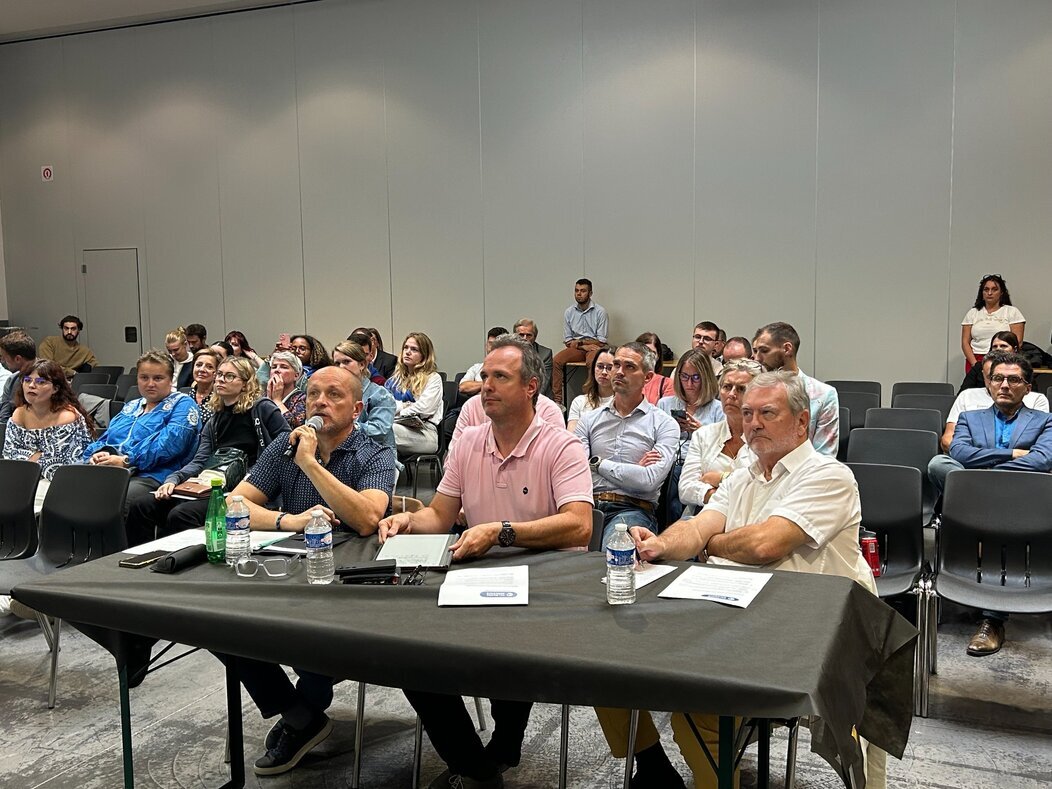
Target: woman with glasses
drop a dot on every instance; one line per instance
(417, 390)
(286, 372)
(241, 420)
(311, 352)
(47, 426)
(378, 407)
(206, 362)
(659, 385)
(694, 404)
(991, 313)
(719, 448)
(598, 389)
(153, 435)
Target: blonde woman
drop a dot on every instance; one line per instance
(417, 390)
(178, 348)
(241, 420)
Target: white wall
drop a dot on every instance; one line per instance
(448, 165)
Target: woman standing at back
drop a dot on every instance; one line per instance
(992, 312)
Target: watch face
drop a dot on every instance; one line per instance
(507, 536)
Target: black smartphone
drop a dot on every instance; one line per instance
(142, 560)
(678, 413)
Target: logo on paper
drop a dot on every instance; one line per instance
(499, 594)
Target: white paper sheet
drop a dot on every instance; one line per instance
(718, 584)
(173, 542)
(488, 586)
(648, 573)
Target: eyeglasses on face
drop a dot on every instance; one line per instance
(1013, 380)
(604, 368)
(704, 338)
(227, 376)
(690, 378)
(29, 379)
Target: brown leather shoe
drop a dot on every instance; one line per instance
(988, 639)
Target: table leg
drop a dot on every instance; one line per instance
(763, 754)
(235, 733)
(564, 745)
(126, 743)
(633, 726)
(359, 734)
(726, 760)
(418, 745)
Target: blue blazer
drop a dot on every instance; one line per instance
(974, 442)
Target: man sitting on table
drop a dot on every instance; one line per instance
(793, 509)
(521, 482)
(630, 443)
(350, 477)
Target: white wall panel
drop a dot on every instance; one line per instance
(1002, 173)
(638, 179)
(532, 168)
(885, 109)
(259, 174)
(756, 117)
(432, 88)
(343, 168)
(38, 222)
(179, 118)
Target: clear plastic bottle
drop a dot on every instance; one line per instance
(238, 539)
(215, 523)
(318, 535)
(620, 567)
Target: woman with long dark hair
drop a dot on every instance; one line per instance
(991, 313)
(241, 346)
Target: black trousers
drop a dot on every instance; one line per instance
(273, 692)
(453, 734)
(168, 516)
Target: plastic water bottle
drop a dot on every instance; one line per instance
(238, 539)
(620, 567)
(318, 535)
(215, 524)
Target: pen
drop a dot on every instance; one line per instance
(639, 561)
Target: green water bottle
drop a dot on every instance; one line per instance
(215, 524)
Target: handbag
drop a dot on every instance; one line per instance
(231, 463)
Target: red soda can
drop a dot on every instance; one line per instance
(871, 550)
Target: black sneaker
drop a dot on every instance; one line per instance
(270, 742)
(292, 745)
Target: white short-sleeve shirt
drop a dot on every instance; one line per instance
(986, 324)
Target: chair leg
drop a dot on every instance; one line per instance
(933, 628)
(790, 753)
(416, 477)
(480, 713)
(920, 655)
(564, 745)
(359, 734)
(418, 746)
(54, 666)
(633, 728)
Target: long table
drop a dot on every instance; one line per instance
(809, 645)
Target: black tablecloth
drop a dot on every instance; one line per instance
(808, 645)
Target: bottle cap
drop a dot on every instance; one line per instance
(216, 483)
(621, 527)
(317, 513)
(237, 499)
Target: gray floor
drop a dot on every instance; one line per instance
(989, 725)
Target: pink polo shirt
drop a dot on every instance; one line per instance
(472, 413)
(546, 470)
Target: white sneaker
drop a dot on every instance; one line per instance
(5, 604)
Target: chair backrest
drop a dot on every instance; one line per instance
(858, 403)
(596, 543)
(921, 387)
(18, 523)
(908, 418)
(891, 507)
(112, 370)
(83, 514)
(873, 387)
(845, 434)
(124, 383)
(105, 391)
(449, 396)
(81, 379)
(442, 375)
(897, 447)
(995, 528)
(459, 377)
(940, 402)
(132, 394)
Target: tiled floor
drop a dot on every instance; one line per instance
(990, 725)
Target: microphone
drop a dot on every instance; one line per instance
(315, 423)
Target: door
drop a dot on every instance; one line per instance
(112, 320)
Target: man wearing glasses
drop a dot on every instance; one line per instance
(520, 482)
(337, 469)
(706, 338)
(631, 445)
(1008, 436)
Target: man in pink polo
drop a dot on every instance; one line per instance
(472, 413)
(520, 482)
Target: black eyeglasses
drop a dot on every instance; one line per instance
(414, 577)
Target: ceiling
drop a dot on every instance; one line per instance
(25, 19)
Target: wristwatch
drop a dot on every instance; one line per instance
(506, 538)
(594, 462)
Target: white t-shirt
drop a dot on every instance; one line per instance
(986, 324)
(978, 399)
(474, 373)
(579, 407)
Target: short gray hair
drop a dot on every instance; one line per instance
(794, 388)
(740, 366)
(648, 356)
(291, 359)
(531, 361)
(526, 322)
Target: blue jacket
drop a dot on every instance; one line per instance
(156, 443)
(974, 442)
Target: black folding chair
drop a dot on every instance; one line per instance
(898, 447)
(938, 402)
(124, 383)
(858, 403)
(873, 387)
(994, 551)
(114, 371)
(921, 387)
(18, 522)
(81, 379)
(906, 418)
(845, 433)
(105, 391)
(82, 519)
